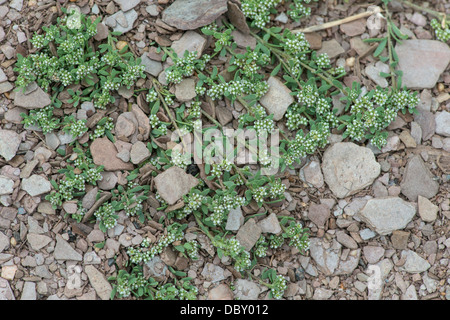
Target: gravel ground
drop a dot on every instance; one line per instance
(407, 248)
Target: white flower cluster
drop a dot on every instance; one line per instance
(151, 96)
(263, 126)
(278, 286)
(259, 10)
(277, 189)
(323, 61)
(193, 203)
(106, 215)
(441, 33)
(100, 130)
(261, 247)
(180, 160)
(259, 194)
(308, 95)
(299, 238)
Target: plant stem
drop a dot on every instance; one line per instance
(390, 47)
(436, 14)
(174, 123)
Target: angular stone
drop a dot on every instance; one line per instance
(243, 40)
(36, 185)
(354, 28)
(399, 239)
(443, 123)
(223, 115)
(277, 99)
(359, 45)
(237, 18)
(9, 143)
(322, 294)
(417, 180)
(414, 263)
(319, 214)
(34, 100)
(373, 72)
(126, 5)
(139, 152)
(373, 254)
(385, 215)
(104, 153)
(98, 282)
(124, 125)
(313, 174)
(109, 181)
(427, 210)
(143, 121)
(314, 39)
(38, 241)
(270, 224)
(64, 251)
(346, 240)
(190, 41)
(124, 20)
(348, 168)
(407, 139)
(151, 66)
(410, 293)
(4, 242)
(221, 292)
(332, 48)
(89, 198)
(185, 90)
(6, 185)
(235, 219)
(326, 258)
(426, 121)
(422, 62)
(246, 290)
(174, 183)
(5, 290)
(193, 14)
(29, 291)
(213, 273)
(249, 234)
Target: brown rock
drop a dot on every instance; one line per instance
(34, 100)
(319, 214)
(354, 28)
(221, 292)
(314, 39)
(399, 239)
(174, 183)
(104, 154)
(248, 234)
(192, 14)
(237, 18)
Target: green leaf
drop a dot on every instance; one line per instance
(276, 70)
(398, 32)
(100, 245)
(385, 75)
(110, 135)
(380, 47)
(180, 248)
(155, 107)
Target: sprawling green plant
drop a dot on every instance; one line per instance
(66, 56)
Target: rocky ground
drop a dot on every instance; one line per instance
(367, 209)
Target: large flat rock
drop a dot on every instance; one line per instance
(385, 215)
(348, 168)
(193, 14)
(422, 62)
(174, 183)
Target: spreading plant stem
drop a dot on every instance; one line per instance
(436, 14)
